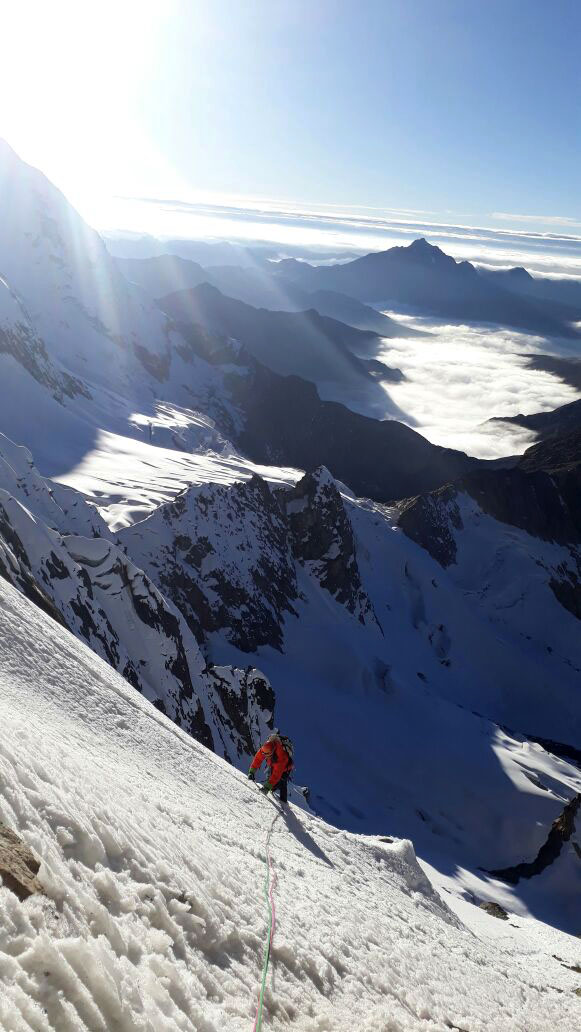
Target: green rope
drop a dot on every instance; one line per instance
(271, 915)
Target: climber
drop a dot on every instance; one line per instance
(278, 753)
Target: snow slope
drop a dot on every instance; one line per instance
(152, 862)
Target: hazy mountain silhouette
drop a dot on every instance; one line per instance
(566, 368)
(423, 278)
(262, 286)
(562, 420)
(564, 292)
(304, 344)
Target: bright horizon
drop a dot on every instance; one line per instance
(334, 126)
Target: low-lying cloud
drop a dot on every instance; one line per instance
(462, 376)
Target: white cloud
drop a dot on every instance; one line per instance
(556, 220)
(461, 376)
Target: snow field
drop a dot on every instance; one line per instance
(128, 478)
(152, 856)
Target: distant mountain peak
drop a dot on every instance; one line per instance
(422, 249)
(421, 244)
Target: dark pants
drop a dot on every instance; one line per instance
(282, 787)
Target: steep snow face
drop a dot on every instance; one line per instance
(89, 317)
(223, 556)
(510, 562)
(152, 865)
(20, 341)
(81, 347)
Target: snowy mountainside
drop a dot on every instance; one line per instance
(228, 556)
(408, 685)
(90, 586)
(81, 347)
(391, 672)
(152, 860)
(542, 504)
(223, 556)
(60, 507)
(19, 340)
(59, 268)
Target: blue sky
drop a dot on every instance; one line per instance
(433, 104)
(463, 111)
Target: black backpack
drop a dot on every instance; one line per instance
(287, 746)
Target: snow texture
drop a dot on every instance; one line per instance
(152, 860)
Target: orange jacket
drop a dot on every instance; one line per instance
(279, 761)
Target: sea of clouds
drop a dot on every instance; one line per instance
(460, 376)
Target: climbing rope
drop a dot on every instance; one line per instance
(269, 887)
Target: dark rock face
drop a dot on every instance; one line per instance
(246, 710)
(557, 454)
(495, 910)
(561, 831)
(322, 539)
(567, 587)
(287, 423)
(429, 520)
(542, 504)
(223, 556)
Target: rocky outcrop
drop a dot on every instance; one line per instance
(380, 459)
(18, 865)
(543, 504)
(430, 520)
(242, 709)
(223, 556)
(322, 540)
(227, 556)
(495, 910)
(561, 831)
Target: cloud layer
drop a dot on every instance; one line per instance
(550, 245)
(461, 376)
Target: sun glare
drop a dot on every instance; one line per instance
(71, 74)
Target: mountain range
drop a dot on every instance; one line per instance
(204, 524)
